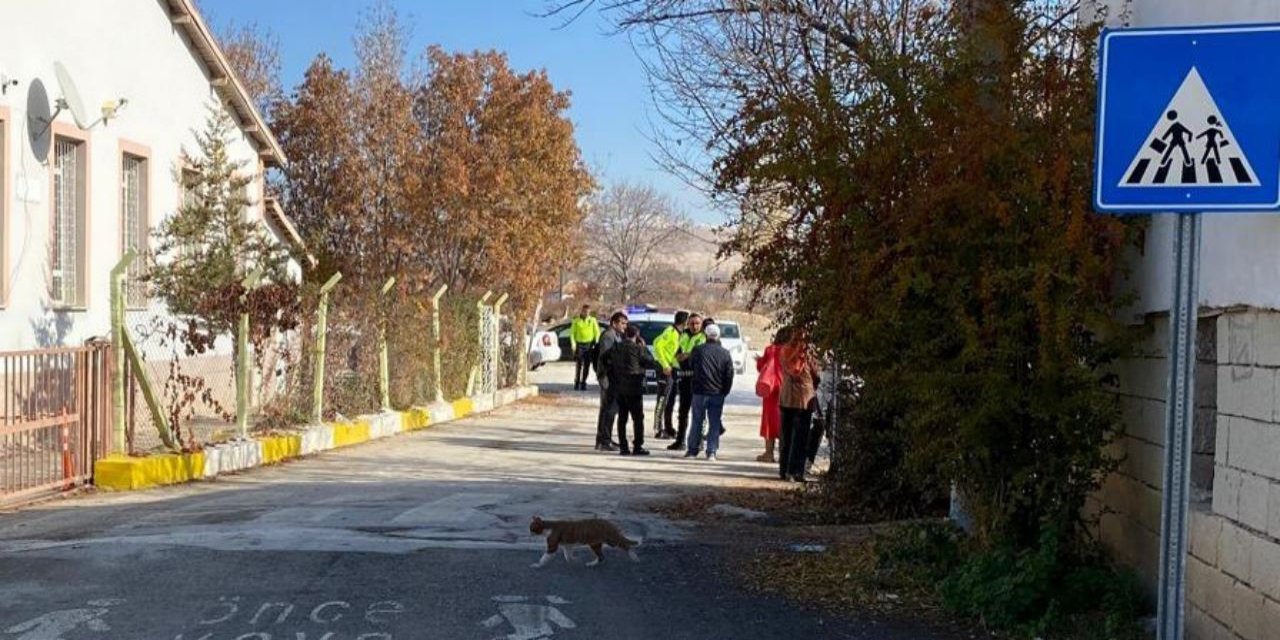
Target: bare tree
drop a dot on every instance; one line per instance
(627, 228)
(254, 53)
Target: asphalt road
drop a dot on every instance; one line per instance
(422, 536)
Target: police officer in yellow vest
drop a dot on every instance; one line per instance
(691, 338)
(584, 331)
(665, 349)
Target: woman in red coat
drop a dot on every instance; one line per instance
(770, 381)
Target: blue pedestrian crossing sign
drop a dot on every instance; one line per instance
(1188, 120)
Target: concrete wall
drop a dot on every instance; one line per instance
(1130, 522)
(121, 48)
(1233, 581)
(1234, 574)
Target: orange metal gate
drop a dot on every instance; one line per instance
(55, 418)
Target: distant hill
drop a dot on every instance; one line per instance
(694, 254)
(690, 274)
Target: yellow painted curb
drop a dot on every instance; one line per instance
(120, 473)
(462, 407)
(123, 473)
(280, 448)
(414, 419)
(349, 433)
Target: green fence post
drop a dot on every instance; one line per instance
(475, 370)
(118, 273)
(242, 357)
(495, 368)
(435, 335)
(322, 328)
(384, 366)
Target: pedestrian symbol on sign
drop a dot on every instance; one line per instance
(1190, 145)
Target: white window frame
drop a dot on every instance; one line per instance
(68, 134)
(136, 296)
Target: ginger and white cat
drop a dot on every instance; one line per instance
(594, 533)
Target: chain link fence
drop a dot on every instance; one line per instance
(352, 346)
(193, 374)
(514, 334)
(195, 386)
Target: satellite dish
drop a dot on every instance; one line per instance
(71, 97)
(40, 113)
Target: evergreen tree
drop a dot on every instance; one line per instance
(206, 249)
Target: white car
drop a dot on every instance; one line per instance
(543, 348)
(731, 339)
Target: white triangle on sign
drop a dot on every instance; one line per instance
(1190, 145)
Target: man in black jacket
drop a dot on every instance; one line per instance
(626, 364)
(608, 402)
(712, 368)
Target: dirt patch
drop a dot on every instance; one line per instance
(800, 551)
(695, 506)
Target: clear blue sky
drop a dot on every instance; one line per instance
(612, 108)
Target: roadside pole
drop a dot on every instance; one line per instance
(436, 341)
(318, 352)
(384, 366)
(476, 370)
(495, 346)
(1179, 412)
(242, 357)
(119, 443)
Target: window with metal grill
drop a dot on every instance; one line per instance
(66, 262)
(133, 217)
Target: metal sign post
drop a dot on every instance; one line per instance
(1178, 420)
(1186, 124)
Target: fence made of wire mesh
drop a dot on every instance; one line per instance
(352, 345)
(194, 381)
(192, 373)
(431, 354)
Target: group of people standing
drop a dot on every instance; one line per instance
(695, 375)
(789, 377)
(691, 366)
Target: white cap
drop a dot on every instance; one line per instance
(712, 331)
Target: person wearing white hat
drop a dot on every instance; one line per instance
(712, 368)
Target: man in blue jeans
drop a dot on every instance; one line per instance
(712, 368)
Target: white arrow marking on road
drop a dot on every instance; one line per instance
(52, 625)
(458, 510)
(528, 621)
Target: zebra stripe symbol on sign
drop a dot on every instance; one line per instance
(1190, 145)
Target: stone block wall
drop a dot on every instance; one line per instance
(1129, 504)
(1233, 572)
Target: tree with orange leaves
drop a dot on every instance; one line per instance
(502, 174)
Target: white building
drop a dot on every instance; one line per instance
(73, 198)
(1233, 572)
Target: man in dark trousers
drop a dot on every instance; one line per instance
(690, 339)
(608, 402)
(584, 332)
(626, 364)
(665, 348)
(712, 368)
